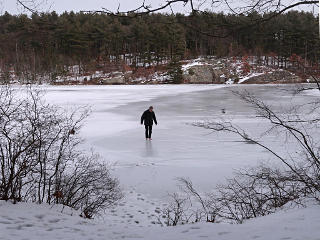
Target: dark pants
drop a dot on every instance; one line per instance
(148, 131)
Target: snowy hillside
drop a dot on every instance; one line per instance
(37, 222)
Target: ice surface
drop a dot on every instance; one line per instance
(177, 149)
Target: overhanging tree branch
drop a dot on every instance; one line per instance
(26, 7)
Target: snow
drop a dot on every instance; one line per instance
(192, 63)
(156, 77)
(230, 81)
(74, 76)
(148, 169)
(249, 76)
(36, 222)
(312, 92)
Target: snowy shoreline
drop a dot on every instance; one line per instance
(36, 222)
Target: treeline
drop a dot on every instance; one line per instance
(48, 44)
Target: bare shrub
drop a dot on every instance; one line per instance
(188, 206)
(208, 210)
(256, 192)
(264, 189)
(89, 187)
(298, 127)
(176, 213)
(251, 193)
(40, 155)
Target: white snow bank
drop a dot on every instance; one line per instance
(313, 92)
(37, 222)
(192, 63)
(249, 76)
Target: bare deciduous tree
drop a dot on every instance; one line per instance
(237, 7)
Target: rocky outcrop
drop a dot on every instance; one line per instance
(220, 71)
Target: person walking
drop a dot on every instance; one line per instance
(148, 117)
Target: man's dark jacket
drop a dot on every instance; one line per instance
(148, 118)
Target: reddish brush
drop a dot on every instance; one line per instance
(58, 194)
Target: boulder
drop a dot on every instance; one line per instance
(203, 74)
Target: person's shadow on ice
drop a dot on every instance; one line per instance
(149, 150)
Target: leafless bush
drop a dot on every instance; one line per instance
(257, 192)
(89, 187)
(264, 189)
(208, 210)
(188, 206)
(298, 127)
(251, 193)
(40, 158)
(177, 212)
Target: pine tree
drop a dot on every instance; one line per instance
(175, 72)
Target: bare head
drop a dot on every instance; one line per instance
(151, 109)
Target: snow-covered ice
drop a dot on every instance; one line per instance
(178, 149)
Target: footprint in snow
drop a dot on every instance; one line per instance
(54, 220)
(18, 222)
(27, 225)
(4, 222)
(20, 227)
(194, 228)
(8, 218)
(39, 216)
